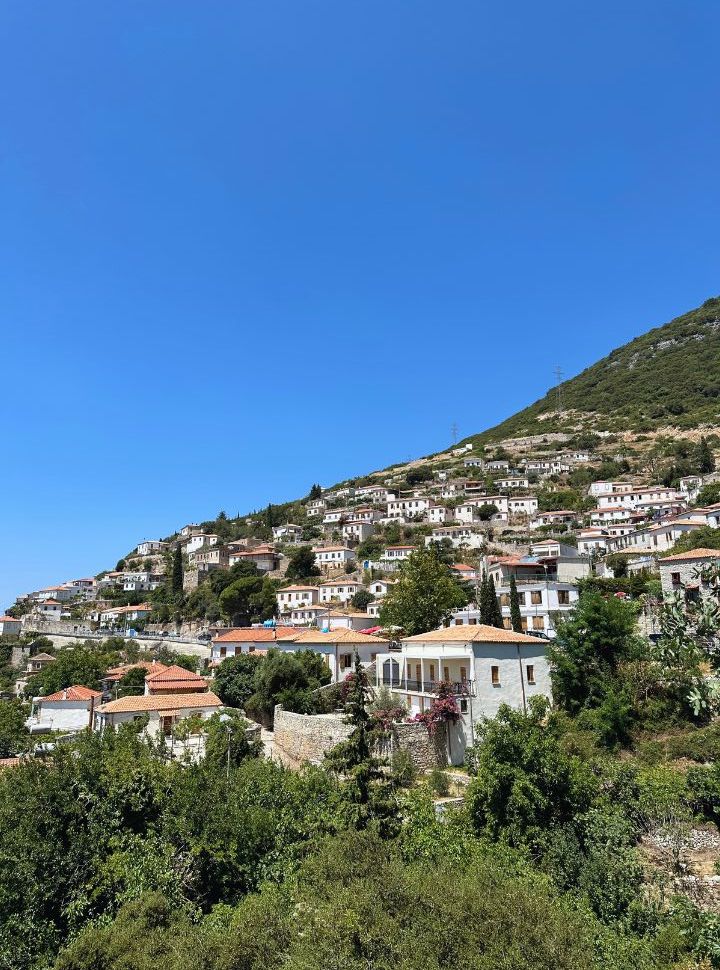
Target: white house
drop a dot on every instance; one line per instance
(197, 540)
(70, 709)
(611, 513)
(315, 507)
(592, 542)
(515, 481)
(334, 516)
(407, 508)
(378, 494)
(150, 546)
(438, 515)
(49, 609)
(333, 557)
(125, 614)
(522, 505)
(287, 533)
(258, 640)
(458, 535)
(356, 530)
(9, 626)
(652, 538)
(398, 553)
(558, 517)
(485, 666)
(264, 558)
(379, 588)
(609, 488)
(339, 590)
(297, 595)
(337, 647)
(163, 711)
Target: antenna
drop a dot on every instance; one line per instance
(559, 374)
(454, 432)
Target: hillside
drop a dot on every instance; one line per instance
(668, 376)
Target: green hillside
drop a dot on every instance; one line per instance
(668, 376)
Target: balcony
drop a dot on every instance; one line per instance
(460, 688)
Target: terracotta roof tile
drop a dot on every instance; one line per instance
(74, 693)
(693, 554)
(160, 702)
(464, 633)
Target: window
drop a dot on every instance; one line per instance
(675, 579)
(495, 676)
(530, 671)
(446, 673)
(463, 705)
(521, 599)
(432, 671)
(346, 661)
(223, 651)
(536, 597)
(523, 623)
(458, 621)
(538, 623)
(463, 675)
(504, 599)
(564, 597)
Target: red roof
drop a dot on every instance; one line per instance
(75, 693)
(172, 673)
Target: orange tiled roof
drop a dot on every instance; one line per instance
(160, 702)
(254, 634)
(693, 554)
(74, 693)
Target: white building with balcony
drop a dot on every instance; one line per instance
(485, 666)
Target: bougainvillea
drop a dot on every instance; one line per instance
(443, 710)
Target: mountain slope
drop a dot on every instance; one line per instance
(670, 375)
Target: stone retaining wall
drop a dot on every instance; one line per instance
(302, 738)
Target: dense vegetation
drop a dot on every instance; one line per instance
(668, 376)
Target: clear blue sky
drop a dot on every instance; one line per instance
(245, 246)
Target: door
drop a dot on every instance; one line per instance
(166, 726)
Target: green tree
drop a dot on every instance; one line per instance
(366, 788)
(133, 678)
(589, 645)
(486, 511)
(302, 564)
(362, 599)
(226, 735)
(524, 783)
(14, 736)
(81, 665)
(176, 584)
(515, 618)
(424, 595)
(289, 679)
(236, 601)
(234, 681)
(704, 457)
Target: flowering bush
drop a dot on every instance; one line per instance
(443, 710)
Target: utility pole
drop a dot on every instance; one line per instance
(454, 432)
(559, 374)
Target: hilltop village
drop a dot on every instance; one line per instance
(533, 520)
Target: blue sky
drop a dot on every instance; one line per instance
(247, 246)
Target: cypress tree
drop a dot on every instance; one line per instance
(368, 795)
(515, 620)
(494, 609)
(177, 573)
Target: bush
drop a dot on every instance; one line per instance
(439, 783)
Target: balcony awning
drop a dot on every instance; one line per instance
(434, 651)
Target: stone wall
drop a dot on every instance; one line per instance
(302, 738)
(426, 751)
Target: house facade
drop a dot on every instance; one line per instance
(485, 666)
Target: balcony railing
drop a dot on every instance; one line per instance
(461, 688)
